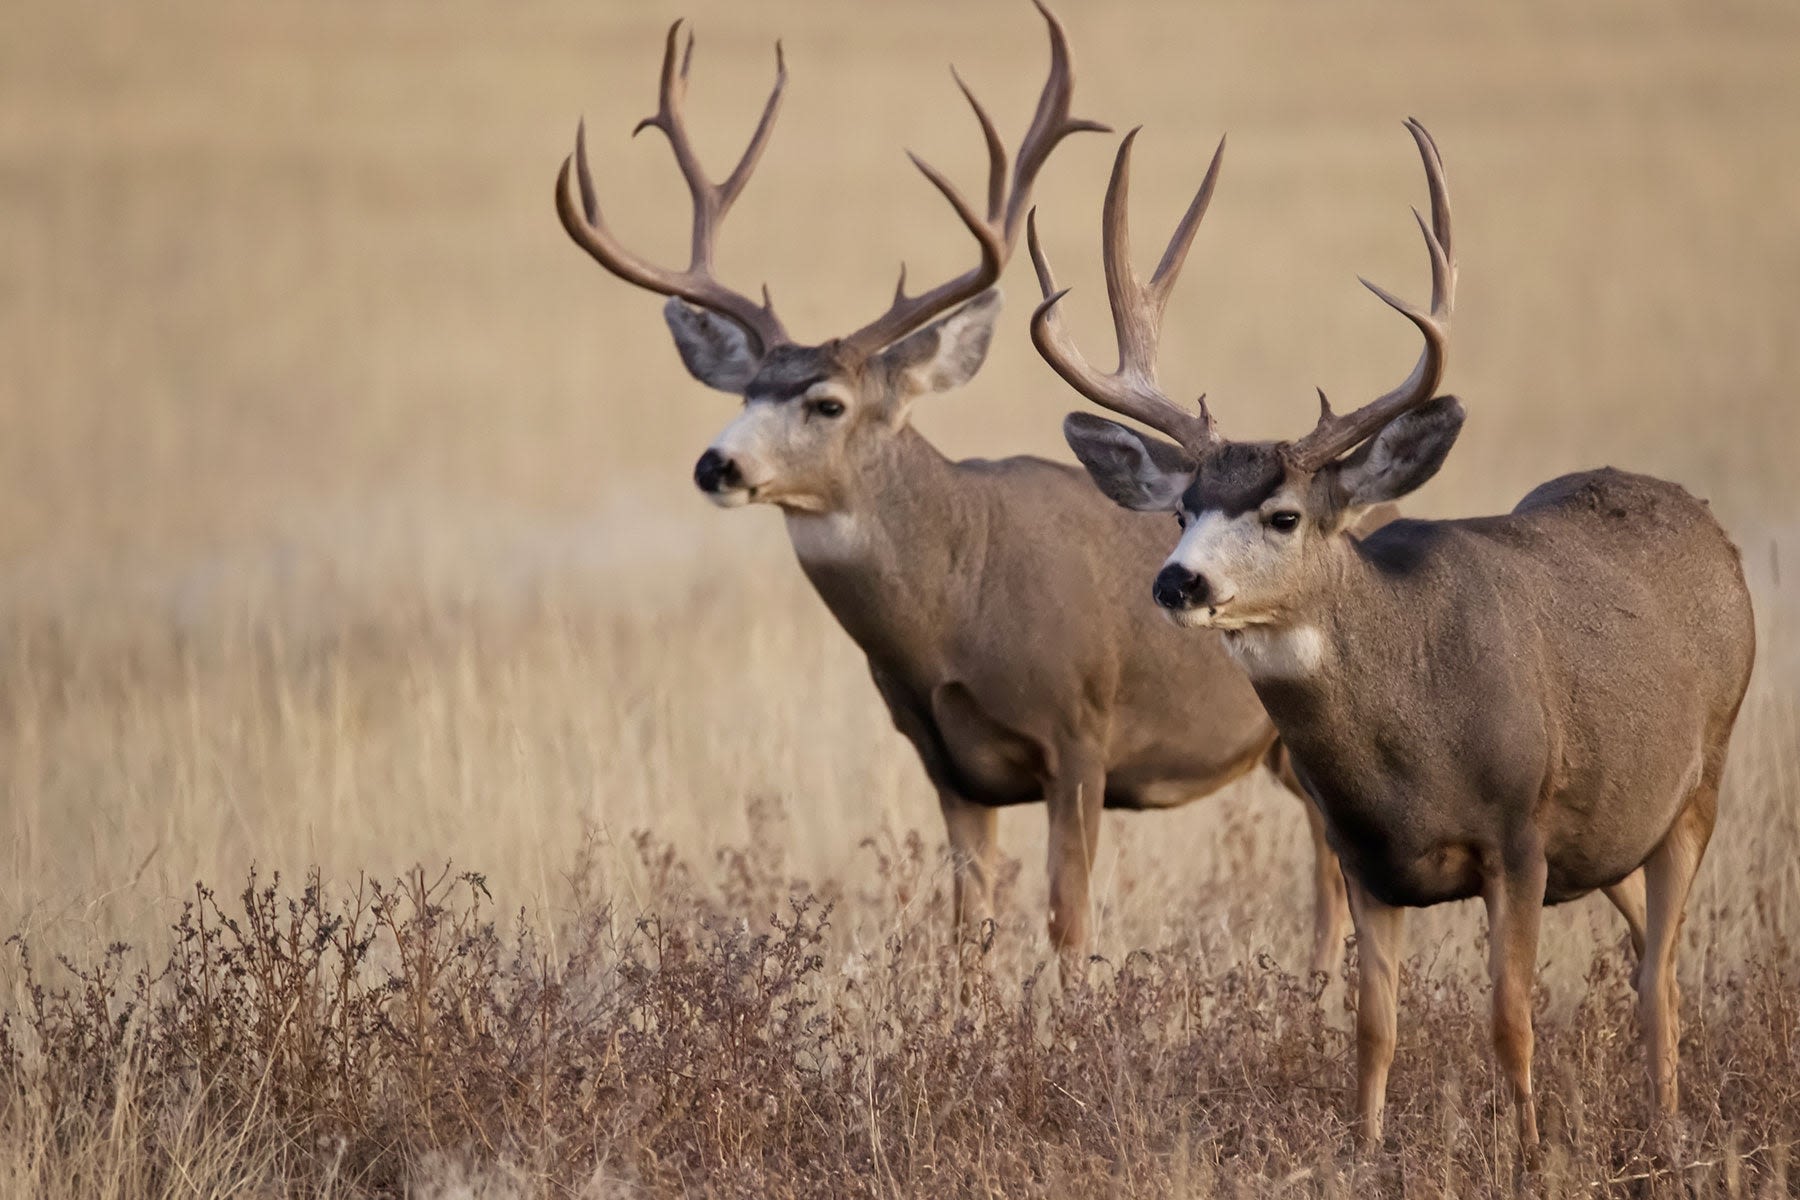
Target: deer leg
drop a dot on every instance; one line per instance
(971, 828)
(1515, 906)
(1668, 877)
(1331, 906)
(1627, 896)
(1076, 798)
(1380, 930)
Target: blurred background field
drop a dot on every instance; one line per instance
(344, 505)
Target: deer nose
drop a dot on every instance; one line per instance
(1176, 587)
(716, 473)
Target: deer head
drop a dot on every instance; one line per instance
(1260, 521)
(813, 414)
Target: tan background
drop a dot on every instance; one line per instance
(344, 512)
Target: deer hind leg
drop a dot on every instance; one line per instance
(1380, 932)
(1627, 896)
(1331, 904)
(1668, 877)
(1515, 906)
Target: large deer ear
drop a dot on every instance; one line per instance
(946, 353)
(713, 348)
(1399, 459)
(1133, 469)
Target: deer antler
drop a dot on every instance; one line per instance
(1131, 390)
(998, 231)
(1336, 434)
(697, 285)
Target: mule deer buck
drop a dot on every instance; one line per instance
(992, 599)
(1523, 708)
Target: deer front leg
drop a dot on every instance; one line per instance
(971, 829)
(1331, 906)
(1514, 894)
(1076, 798)
(1380, 931)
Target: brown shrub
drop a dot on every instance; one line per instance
(398, 1038)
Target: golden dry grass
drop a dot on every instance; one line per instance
(344, 514)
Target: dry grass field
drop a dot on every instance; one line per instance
(345, 528)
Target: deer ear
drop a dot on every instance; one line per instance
(1400, 458)
(946, 353)
(1132, 469)
(713, 348)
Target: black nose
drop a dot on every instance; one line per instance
(716, 473)
(1176, 587)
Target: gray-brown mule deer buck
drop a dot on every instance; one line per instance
(1523, 708)
(994, 600)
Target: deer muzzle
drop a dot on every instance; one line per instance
(719, 476)
(1179, 589)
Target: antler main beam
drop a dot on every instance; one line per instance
(697, 285)
(996, 231)
(1137, 309)
(1336, 434)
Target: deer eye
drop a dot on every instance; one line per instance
(1284, 521)
(828, 408)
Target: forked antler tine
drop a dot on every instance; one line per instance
(1162, 280)
(588, 227)
(996, 150)
(993, 247)
(1138, 308)
(1434, 180)
(1050, 123)
(765, 125)
(671, 91)
(1135, 326)
(1334, 434)
(711, 202)
(1059, 350)
(1132, 389)
(996, 232)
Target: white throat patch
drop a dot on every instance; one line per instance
(827, 537)
(1278, 652)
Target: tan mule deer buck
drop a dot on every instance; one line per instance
(1523, 708)
(993, 599)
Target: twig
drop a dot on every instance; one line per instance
(1660, 1172)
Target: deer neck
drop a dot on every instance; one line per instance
(881, 557)
(1314, 644)
(1328, 669)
